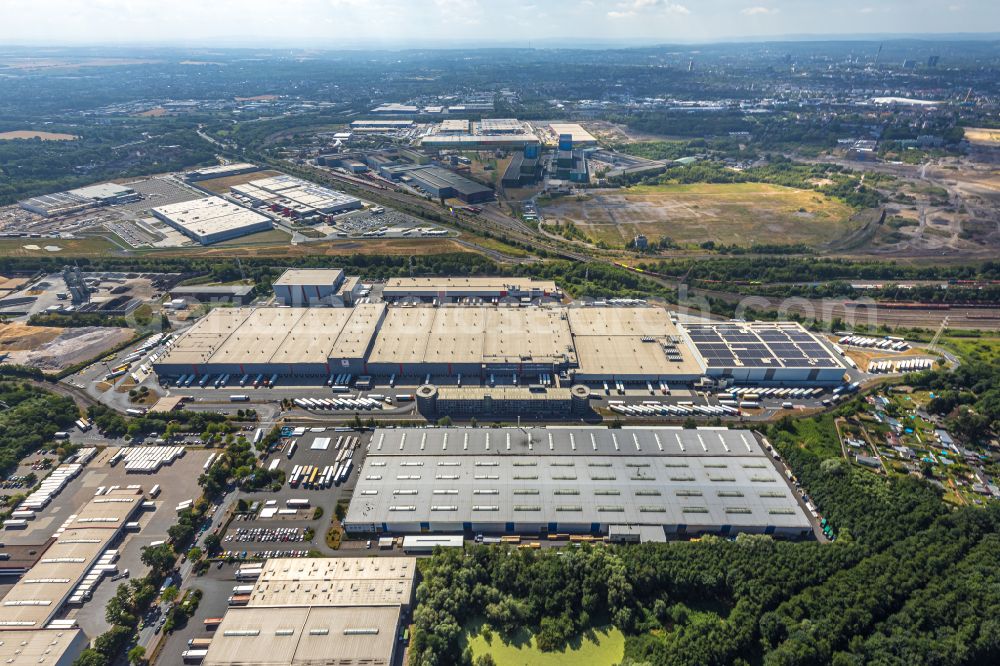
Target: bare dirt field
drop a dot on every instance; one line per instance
(68, 347)
(983, 136)
(21, 337)
(732, 214)
(12, 283)
(31, 134)
(222, 185)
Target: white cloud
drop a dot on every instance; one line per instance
(758, 11)
(634, 7)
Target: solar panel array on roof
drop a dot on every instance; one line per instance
(760, 345)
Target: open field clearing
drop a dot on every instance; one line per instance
(31, 134)
(603, 646)
(269, 237)
(222, 185)
(55, 63)
(93, 246)
(732, 214)
(63, 347)
(983, 136)
(21, 337)
(982, 348)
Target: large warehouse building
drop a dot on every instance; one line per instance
(343, 610)
(283, 341)
(577, 344)
(32, 628)
(316, 287)
(630, 344)
(83, 198)
(445, 184)
(212, 219)
(221, 171)
(655, 482)
(473, 342)
(764, 352)
(295, 197)
(40, 595)
(448, 289)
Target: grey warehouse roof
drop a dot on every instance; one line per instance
(585, 476)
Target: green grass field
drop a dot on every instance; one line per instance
(729, 213)
(817, 435)
(603, 646)
(261, 238)
(975, 349)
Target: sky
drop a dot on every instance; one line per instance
(392, 23)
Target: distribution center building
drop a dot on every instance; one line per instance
(445, 289)
(630, 344)
(64, 572)
(575, 344)
(305, 286)
(282, 341)
(343, 610)
(764, 352)
(74, 201)
(221, 171)
(667, 481)
(445, 184)
(295, 197)
(580, 137)
(212, 219)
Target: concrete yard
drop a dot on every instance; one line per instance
(178, 482)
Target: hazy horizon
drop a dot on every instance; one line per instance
(379, 24)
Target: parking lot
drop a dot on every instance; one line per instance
(683, 401)
(255, 534)
(216, 585)
(178, 482)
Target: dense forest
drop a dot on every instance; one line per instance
(29, 417)
(797, 269)
(29, 167)
(908, 581)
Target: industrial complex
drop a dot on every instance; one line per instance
(295, 197)
(630, 484)
(212, 219)
(487, 134)
(73, 201)
(311, 287)
(343, 610)
(503, 327)
(80, 553)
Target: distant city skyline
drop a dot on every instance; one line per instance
(396, 23)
